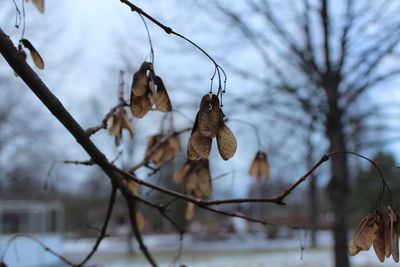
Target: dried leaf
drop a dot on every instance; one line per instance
(200, 144)
(189, 211)
(140, 105)
(364, 234)
(379, 241)
(37, 59)
(140, 221)
(209, 116)
(226, 142)
(163, 103)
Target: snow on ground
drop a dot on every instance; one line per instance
(239, 250)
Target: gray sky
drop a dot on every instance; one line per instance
(86, 43)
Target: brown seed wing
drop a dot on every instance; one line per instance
(387, 240)
(140, 105)
(264, 166)
(364, 235)
(37, 59)
(169, 152)
(191, 181)
(39, 5)
(209, 120)
(226, 142)
(191, 152)
(204, 99)
(179, 175)
(127, 124)
(140, 221)
(204, 178)
(163, 103)
(189, 211)
(379, 242)
(394, 234)
(255, 166)
(157, 156)
(116, 126)
(175, 143)
(140, 83)
(132, 185)
(200, 144)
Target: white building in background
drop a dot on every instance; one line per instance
(42, 220)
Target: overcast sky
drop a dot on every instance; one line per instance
(86, 43)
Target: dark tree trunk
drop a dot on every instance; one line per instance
(338, 188)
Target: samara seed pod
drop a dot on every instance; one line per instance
(226, 142)
(37, 59)
(140, 105)
(189, 211)
(209, 116)
(163, 102)
(379, 241)
(364, 235)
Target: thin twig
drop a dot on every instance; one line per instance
(78, 162)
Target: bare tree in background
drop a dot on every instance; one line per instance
(323, 88)
(324, 56)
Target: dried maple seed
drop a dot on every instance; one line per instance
(140, 105)
(379, 241)
(365, 234)
(179, 175)
(37, 59)
(163, 103)
(259, 167)
(39, 4)
(140, 83)
(156, 155)
(140, 221)
(209, 116)
(119, 121)
(394, 233)
(226, 142)
(132, 186)
(388, 248)
(197, 181)
(189, 211)
(200, 144)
